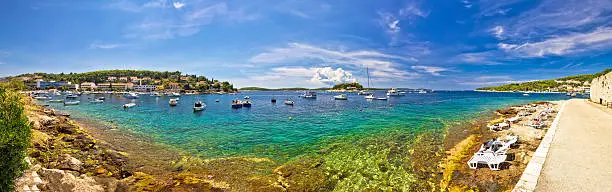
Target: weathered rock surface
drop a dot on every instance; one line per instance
(70, 163)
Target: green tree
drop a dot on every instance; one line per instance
(14, 138)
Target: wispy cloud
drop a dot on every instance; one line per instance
(491, 80)
(98, 45)
(178, 5)
(562, 45)
(391, 21)
(498, 31)
(482, 58)
(382, 65)
(435, 71)
(312, 76)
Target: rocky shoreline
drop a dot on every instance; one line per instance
(69, 156)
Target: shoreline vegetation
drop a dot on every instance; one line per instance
(575, 83)
(68, 153)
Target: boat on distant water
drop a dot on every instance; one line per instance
(199, 106)
(155, 94)
(525, 94)
(422, 91)
(217, 100)
(273, 100)
(131, 96)
(56, 101)
(129, 105)
(71, 96)
(288, 102)
(236, 104)
(174, 94)
(340, 97)
(364, 92)
(310, 95)
(382, 98)
(173, 102)
(43, 98)
(71, 102)
(573, 94)
(370, 96)
(247, 97)
(101, 98)
(246, 103)
(96, 101)
(395, 92)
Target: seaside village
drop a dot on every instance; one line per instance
(189, 84)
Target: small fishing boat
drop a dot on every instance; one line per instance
(129, 105)
(364, 92)
(371, 96)
(71, 102)
(43, 98)
(381, 98)
(131, 96)
(422, 91)
(217, 100)
(247, 97)
(246, 103)
(236, 104)
(173, 102)
(310, 95)
(174, 94)
(525, 94)
(56, 101)
(340, 97)
(96, 101)
(273, 100)
(101, 98)
(199, 106)
(395, 92)
(155, 94)
(288, 102)
(71, 96)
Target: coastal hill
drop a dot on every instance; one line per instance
(119, 80)
(575, 83)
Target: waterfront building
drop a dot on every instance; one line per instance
(111, 78)
(601, 89)
(145, 88)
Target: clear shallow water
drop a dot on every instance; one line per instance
(265, 130)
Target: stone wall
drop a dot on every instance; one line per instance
(601, 89)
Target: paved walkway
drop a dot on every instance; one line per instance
(580, 156)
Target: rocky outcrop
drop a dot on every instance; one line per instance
(601, 89)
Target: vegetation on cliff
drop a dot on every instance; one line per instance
(348, 86)
(14, 136)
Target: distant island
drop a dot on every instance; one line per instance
(124, 80)
(576, 83)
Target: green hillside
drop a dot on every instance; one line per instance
(560, 84)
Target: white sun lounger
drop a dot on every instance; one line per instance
(489, 159)
(498, 126)
(514, 119)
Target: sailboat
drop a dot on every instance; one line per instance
(369, 95)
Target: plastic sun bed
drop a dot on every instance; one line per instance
(491, 160)
(514, 119)
(498, 126)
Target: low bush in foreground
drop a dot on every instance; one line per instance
(14, 138)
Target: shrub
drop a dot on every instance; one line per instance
(14, 138)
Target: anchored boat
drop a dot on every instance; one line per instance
(199, 106)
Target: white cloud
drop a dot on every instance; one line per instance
(493, 77)
(330, 76)
(299, 14)
(498, 31)
(301, 76)
(178, 5)
(391, 21)
(381, 64)
(562, 45)
(98, 45)
(435, 71)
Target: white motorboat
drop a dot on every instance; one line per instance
(101, 98)
(340, 97)
(173, 102)
(370, 96)
(525, 94)
(174, 94)
(72, 96)
(129, 105)
(288, 102)
(381, 98)
(97, 101)
(395, 92)
(310, 95)
(199, 106)
(422, 91)
(131, 96)
(56, 101)
(247, 97)
(43, 98)
(72, 102)
(155, 94)
(364, 92)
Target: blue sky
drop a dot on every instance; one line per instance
(443, 44)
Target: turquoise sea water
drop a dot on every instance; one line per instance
(265, 129)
